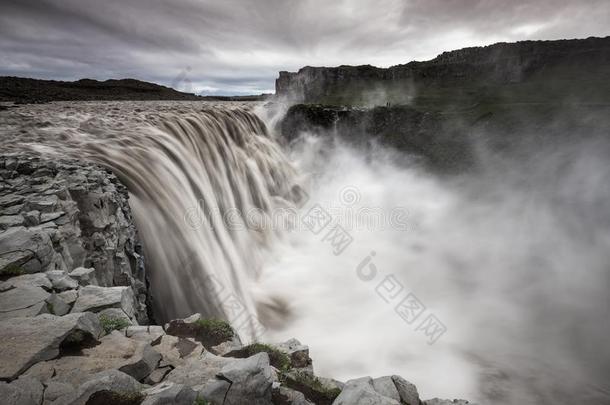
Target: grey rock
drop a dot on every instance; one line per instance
(361, 392)
(407, 391)
(56, 389)
(169, 393)
(143, 365)
(28, 280)
(29, 249)
(110, 380)
(178, 351)
(68, 296)
(94, 298)
(288, 396)
(51, 216)
(61, 281)
(251, 380)
(26, 341)
(44, 204)
(24, 391)
(438, 401)
(195, 371)
(28, 301)
(31, 218)
(8, 221)
(114, 313)
(385, 386)
(148, 333)
(157, 375)
(299, 353)
(57, 306)
(84, 276)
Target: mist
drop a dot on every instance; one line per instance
(511, 258)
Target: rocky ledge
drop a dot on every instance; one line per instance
(74, 327)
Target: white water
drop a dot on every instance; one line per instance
(513, 261)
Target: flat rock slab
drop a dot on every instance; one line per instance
(22, 301)
(27, 280)
(94, 298)
(26, 341)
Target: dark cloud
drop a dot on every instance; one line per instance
(237, 46)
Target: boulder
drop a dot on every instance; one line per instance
(284, 395)
(169, 393)
(68, 296)
(250, 380)
(56, 305)
(407, 391)
(9, 221)
(29, 249)
(94, 298)
(24, 391)
(23, 302)
(27, 280)
(26, 341)
(362, 392)
(108, 386)
(298, 353)
(195, 371)
(84, 276)
(61, 281)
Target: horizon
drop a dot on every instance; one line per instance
(233, 49)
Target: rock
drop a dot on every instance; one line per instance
(438, 401)
(8, 221)
(29, 280)
(250, 380)
(299, 353)
(26, 341)
(114, 351)
(105, 383)
(94, 298)
(52, 216)
(361, 392)
(157, 375)
(57, 306)
(177, 351)
(169, 393)
(195, 371)
(385, 386)
(84, 276)
(56, 389)
(31, 218)
(146, 334)
(61, 281)
(44, 204)
(407, 391)
(318, 390)
(24, 391)
(23, 302)
(31, 250)
(209, 332)
(68, 296)
(146, 361)
(283, 395)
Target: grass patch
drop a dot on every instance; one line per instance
(311, 386)
(215, 329)
(110, 324)
(277, 358)
(200, 401)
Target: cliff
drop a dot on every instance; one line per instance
(527, 72)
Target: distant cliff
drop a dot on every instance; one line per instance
(575, 70)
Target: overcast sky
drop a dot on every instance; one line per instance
(235, 46)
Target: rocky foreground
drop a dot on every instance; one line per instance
(74, 320)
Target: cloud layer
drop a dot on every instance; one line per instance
(237, 46)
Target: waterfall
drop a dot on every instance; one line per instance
(196, 178)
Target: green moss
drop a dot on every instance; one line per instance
(311, 386)
(215, 328)
(110, 324)
(200, 401)
(11, 270)
(277, 358)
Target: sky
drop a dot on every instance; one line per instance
(237, 47)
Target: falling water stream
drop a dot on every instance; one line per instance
(512, 262)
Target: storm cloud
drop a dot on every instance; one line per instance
(234, 46)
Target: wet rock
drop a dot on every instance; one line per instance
(169, 393)
(26, 341)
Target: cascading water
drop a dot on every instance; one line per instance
(193, 176)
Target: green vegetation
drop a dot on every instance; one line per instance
(311, 386)
(11, 270)
(277, 358)
(215, 329)
(110, 324)
(200, 401)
